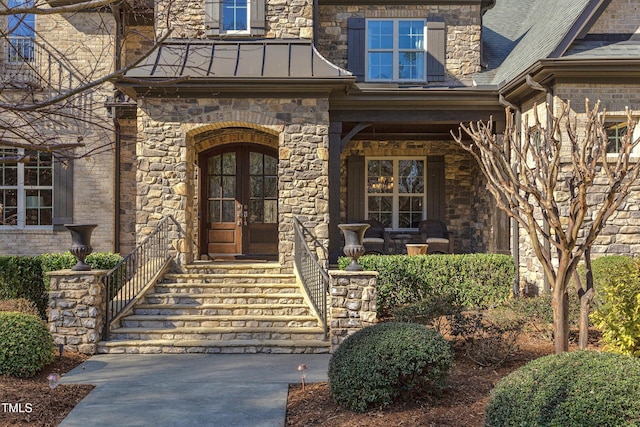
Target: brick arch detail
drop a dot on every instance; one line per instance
(234, 119)
(210, 139)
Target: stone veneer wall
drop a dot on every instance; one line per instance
(77, 301)
(170, 131)
(284, 18)
(353, 303)
(621, 235)
(463, 27)
(466, 213)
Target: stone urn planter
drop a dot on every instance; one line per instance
(417, 248)
(353, 247)
(81, 244)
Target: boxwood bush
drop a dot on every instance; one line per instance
(384, 362)
(25, 277)
(26, 345)
(582, 388)
(472, 280)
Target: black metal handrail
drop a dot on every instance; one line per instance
(314, 276)
(141, 268)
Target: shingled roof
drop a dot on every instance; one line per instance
(518, 33)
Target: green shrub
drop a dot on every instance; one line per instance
(382, 363)
(606, 270)
(618, 314)
(24, 277)
(21, 305)
(26, 345)
(473, 280)
(21, 277)
(583, 388)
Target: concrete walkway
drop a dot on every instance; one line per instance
(225, 390)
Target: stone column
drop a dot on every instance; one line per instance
(77, 302)
(353, 303)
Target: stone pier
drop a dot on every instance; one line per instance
(77, 301)
(353, 303)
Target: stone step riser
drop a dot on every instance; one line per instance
(223, 299)
(239, 311)
(230, 279)
(229, 270)
(212, 323)
(134, 349)
(196, 288)
(228, 336)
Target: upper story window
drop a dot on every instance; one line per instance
(235, 17)
(21, 33)
(396, 50)
(616, 130)
(26, 189)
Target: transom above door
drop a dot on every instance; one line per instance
(239, 208)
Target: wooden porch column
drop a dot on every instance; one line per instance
(335, 149)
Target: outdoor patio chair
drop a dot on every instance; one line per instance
(434, 232)
(376, 239)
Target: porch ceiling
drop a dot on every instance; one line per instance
(403, 131)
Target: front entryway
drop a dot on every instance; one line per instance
(239, 208)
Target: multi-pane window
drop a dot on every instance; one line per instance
(263, 183)
(20, 32)
(615, 132)
(26, 188)
(396, 191)
(395, 50)
(235, 16)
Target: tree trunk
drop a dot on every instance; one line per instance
(560, 319)
(586, 296)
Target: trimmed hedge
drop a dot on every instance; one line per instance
(381, 363)
(26, 345)
(471, 280)
(582, 388)
(25, 277)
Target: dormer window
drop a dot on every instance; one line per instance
(235, 17)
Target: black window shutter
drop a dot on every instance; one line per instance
(212, 17)
(257, 17)
(355, 188)
(62, 194)
(436, 49)
(435, 188)
(356, 47)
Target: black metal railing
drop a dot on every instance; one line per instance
(312, 269)
(136, 271)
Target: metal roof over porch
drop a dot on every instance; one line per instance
(259, 59)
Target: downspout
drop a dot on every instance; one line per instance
(117, 14)
(515, 228)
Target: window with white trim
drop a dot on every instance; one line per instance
(20, 33)
(395, 50)
(616, 130)
(235, 16)
(26, 189)
(396, 192)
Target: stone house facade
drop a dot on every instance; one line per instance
(333, 111)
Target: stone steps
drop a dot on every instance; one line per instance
(221, 308)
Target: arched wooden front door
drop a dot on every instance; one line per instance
(239, 201)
